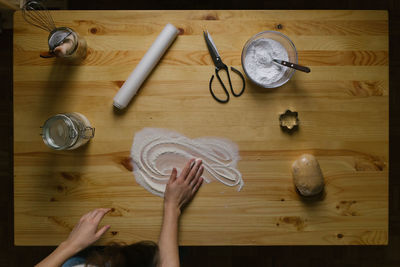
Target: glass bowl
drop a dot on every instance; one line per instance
(286, 43)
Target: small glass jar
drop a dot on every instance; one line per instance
(67, 131)
(67, 44)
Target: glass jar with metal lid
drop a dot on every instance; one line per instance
(67, 131)
(66, 43)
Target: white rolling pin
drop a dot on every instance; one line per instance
(145, 66)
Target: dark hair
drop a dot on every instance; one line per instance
(141, 254)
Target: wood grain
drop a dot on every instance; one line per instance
(189, 58)
(342, 105)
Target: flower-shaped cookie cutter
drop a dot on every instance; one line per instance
(289, 121)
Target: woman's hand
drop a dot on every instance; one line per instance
(83, 235)
(85, 231)
(180, 190)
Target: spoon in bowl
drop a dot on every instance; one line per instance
(292, 65)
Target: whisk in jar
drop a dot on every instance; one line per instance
(63, 41)
(35, 13)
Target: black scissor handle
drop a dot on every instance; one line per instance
(223, 85)
(241, 76)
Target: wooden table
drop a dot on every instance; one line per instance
(342, 105)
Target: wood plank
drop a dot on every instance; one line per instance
(332, 89)
(195, 27)
(196, 73)
(342, 104)
(122, 16)
(188, 58)
(227, 43)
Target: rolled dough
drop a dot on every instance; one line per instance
(307, 175)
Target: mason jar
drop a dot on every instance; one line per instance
(67, 131)
(67, 43)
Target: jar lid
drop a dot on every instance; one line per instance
(59, 132)
(57, 36)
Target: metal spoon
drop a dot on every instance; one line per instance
(292, 65)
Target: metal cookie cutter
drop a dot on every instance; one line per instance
(289, 121)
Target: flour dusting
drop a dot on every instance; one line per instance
(156, 151)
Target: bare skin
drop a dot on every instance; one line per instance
(179, 191)
(83, 235)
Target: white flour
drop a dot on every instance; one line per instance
(156, 151)
(258, 60)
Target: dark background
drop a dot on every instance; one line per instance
(222, 256)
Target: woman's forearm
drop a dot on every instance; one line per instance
(84, 234)
(63, 252)
(178, 192)
(168, 242)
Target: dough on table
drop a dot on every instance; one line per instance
(307, 175)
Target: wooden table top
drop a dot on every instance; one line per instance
(342, 104)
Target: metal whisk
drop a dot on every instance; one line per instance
(35, 13)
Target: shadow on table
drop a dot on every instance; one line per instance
(59, 81)
(62, 173)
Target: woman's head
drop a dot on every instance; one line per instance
(141, 254)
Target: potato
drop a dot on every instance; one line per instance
(307, 175)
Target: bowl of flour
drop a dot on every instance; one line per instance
(258, 54)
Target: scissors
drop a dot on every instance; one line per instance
(219, 65)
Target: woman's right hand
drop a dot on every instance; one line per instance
(85, 231)
(84, 234)
(180, 190)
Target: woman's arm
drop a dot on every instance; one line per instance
(180, 190)
(83, 235)
(58, 256)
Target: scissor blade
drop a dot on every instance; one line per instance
(212, 48)
(213, 44)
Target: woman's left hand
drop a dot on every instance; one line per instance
(85, 231)
(181, 189)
